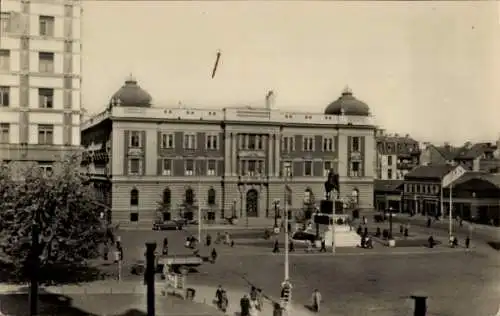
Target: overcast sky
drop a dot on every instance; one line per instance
(424, 68)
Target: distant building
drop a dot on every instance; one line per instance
(396, 155)
(479, 157)
(40, 80)
(152, 162)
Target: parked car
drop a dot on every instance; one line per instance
(302, 236)
(168, 225)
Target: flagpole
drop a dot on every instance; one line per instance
(451, 209)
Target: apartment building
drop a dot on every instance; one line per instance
(228, 162)
(396, 155)
(40, 79)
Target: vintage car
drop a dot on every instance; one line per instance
(168, 225)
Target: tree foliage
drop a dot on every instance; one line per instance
(62, 206)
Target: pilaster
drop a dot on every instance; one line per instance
(270, 168)
(234, 154)
(227, 153)
(277, 154)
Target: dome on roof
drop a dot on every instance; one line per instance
(131, 94)
(347, 104)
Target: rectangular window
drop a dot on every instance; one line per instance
(355, 169)
(4, 60)
(135, 139)
(288, 144)
(355, 145)
(189, 167)
(308, 169)
(167, 167)
(45, 134)
(46, 25)
(135, 166)
(46, 62)
(241, 141)
(328, 144)
(261, 167)
(327, 166)
(308, 144)
(45, 98)
(252, 142)
(167, 141)
(211, 142)
(5, 20)
(211, 167)
(389, 174)
(4, 133)
(259, 139)
(46, 168)
(389, 160)
(4, 96)
(189, 141)
(251, 167)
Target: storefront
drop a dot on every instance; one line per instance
(387, 194)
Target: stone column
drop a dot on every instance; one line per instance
(277, 154)
(234, 151)
(227, 153)
(270, 168)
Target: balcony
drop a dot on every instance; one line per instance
(251, 153)
(253, 178)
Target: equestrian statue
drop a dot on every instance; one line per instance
(331, 184)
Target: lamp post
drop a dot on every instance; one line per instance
(240, 189)
(287, 173)
(276, 204)
(390, 222)
(234, 208)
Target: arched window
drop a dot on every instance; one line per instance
(288, 193)
(308, 196)
(134, 197)
(189, 198)
(167, 197)
(211, 196)
(355, 196)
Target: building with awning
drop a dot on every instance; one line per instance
(475, 197)
(388, 194)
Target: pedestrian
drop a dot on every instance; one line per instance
(467, 242)
(218, 296)
(214, 255)
(232, 243)
(218, 238)
(187, 243)
(291, 246)
(406, 232)
(225, 302)
(165, 246)
(365, 232)
(401, 229)
(227, 238)
(316, 300)
(254, 307)
(323, 245)
(276, 248)
(428, 222)
(245, 306)
(431, 241)
(364, 220)
(106, 251)
(208, 240)
(359, 230)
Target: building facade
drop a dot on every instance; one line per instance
(396, 155)
(40, 79)
(229, 162)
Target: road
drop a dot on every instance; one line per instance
(458, 282)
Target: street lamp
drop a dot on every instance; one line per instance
(276, 204)
(234, 209)
(287, 173)
(390, 222)
(240, 189)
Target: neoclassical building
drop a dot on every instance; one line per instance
(149, 161)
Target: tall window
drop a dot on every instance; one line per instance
(189, 196)
(45, 134)
(167, 196)
(308, 196)
(389, 174)
(135, 166)
(46, 62)
(308, 143)
(211, 196)
(135, 139)
(46, 25)
(327, 166)
(4, 96)
(46, 98)
(5, 18)
(356, 144)
(288, 144)
(211, 167)
(4, 60)
(189, 141)
(167, 167)
(134, 197)
(167, 141)
(328, 144)
(355, 169)
(308, 168)
(389, 160)
(212, 142)
(4, 133)
(189, 167)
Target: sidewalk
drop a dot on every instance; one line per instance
(204, 294)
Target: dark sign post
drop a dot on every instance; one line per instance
(150, 277)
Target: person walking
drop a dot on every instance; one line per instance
(323, 245)
(165, 246)
(276, 248)
(467, 242)
(208, 240)
(245, 306)
(213, 254)
(316, 300)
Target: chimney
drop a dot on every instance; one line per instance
(270, 100)
(407, 136)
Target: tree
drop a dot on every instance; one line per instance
(61, 205)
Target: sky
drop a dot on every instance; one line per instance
(428, 69)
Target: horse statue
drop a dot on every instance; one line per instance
(331, 184)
